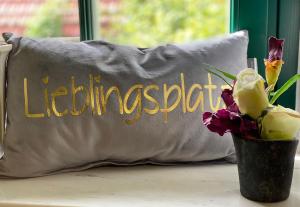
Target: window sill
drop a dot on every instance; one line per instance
(184, 185)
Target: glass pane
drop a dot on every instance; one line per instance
(40, 18)
(149, 22)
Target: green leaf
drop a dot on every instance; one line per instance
(227, 75)
(285, 87)
(218, 75)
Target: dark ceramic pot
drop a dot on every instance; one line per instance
(265, 168)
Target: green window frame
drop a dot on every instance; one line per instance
(87, 19)
(262, 18)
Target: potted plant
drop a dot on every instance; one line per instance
(264, 134)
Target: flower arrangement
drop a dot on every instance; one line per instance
(250, 112)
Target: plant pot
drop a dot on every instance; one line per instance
(265, 168)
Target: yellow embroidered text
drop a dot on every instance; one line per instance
(97, 99)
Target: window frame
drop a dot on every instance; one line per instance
(279, 18)
(87, 19)
(262, 18)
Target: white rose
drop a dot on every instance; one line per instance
(280, 123)
(249, 93)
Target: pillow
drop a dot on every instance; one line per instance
(72, 106)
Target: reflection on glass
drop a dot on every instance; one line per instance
(150, 22)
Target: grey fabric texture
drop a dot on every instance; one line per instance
(72, 106)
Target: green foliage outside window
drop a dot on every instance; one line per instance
(142, 22)
(47, 22)
(149, 22)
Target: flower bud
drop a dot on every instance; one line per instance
(274, 62)
(273, 70)
(249, 93)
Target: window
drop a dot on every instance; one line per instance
(146, 23)
(40, 18)
(150, 22)
(265, 18)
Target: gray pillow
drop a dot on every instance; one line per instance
(72, 106)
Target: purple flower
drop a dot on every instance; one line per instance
(213, 123)
(228, 100)
(233, 108)
(275, 49)
(230, 119)
(227, 97)
(222, 121)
